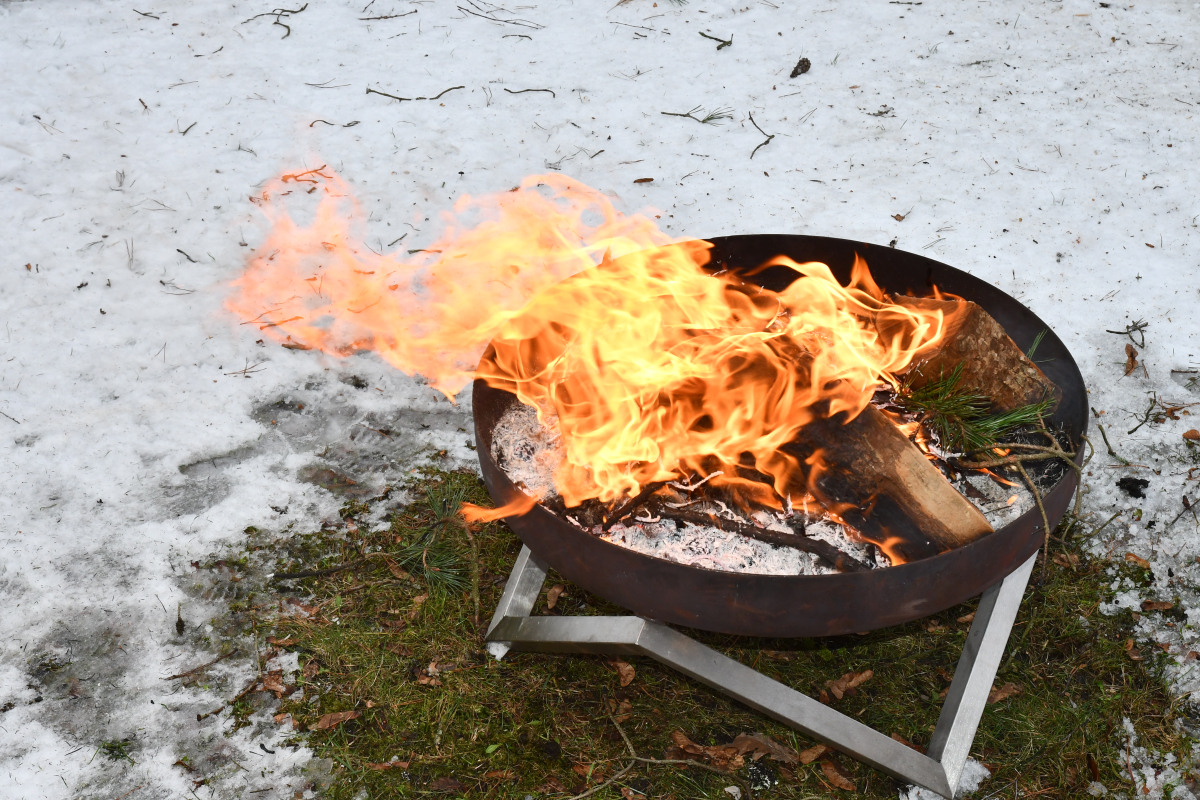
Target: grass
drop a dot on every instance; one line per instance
(539, 724)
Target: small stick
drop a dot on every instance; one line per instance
(184, 132)
(14, 419)
(1037, 496)
(315, 121)
(185, 255)
(385, 94)
(769, 136)
(799, 541)
(388, 16)
(144, 14)
(240, 695)
(723, 42)
(516, 36)
(1105, 525)
(194, 670)
(523, 91)
(1111, 452)
(451, 89)
(631, 505)
(316, 573)
(633, 754)
(1145, 416)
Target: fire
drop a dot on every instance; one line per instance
(651, 366)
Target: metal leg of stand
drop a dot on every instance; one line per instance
(939, 771)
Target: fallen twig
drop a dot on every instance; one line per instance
(385, 94)
(388, 16)
(523, 91)
(280, 13)
(711, 118)
(1138, 327)
(144, 14)
(1111, 452)
(631, 505)
(746, 788)
(523, 23)
(194, 670)
(723, 42)
(769, 136)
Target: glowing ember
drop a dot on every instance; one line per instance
(650, 366)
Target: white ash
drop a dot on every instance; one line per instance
(527, 450)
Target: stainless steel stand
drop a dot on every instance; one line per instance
(939, 770)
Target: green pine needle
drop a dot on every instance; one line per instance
(961, 418)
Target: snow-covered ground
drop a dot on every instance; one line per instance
(1047, 147)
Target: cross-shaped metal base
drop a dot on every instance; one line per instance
(939, 770)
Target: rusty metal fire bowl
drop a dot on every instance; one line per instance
(807, 605)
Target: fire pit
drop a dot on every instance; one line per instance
(806, 605)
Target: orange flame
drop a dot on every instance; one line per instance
(650, 366)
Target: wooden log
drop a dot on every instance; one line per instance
(868, 474)
(991, 362)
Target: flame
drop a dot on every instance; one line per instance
(651, 366)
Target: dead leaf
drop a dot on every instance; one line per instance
(388, 765)
(280, 718)
(418, 601)
(1004, 692)
(1156, 605)
(1192, 655)
(907, 743)
(898, 217)
(333, 720)
(394, 624)
(589, 772)
(282, 642)
(760, 744)
(837, 776)
(644, 180)
(401, 650)
(311, 669)
(1134, 558)
(556, 591)
(630, 794)
(1131, 362)
(397, 571)
(553, 784)
(499, 775)
(621, 711)
(1192, 435)
(723, 757)
(625, 671)
(1066, 560)
(273, 682)
(813, 753)
(849, 681)
(1132, 652)
(967, 617)
(447, 784)
(823, 697)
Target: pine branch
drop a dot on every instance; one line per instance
(961, 418)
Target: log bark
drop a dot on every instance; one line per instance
(875, 480)
(992, 364)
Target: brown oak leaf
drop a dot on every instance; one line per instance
(448, 785)
(1131, 362)
(1004, 692)
(1156, 605)
(556, 591)
(625, 671)
(837, 776)
(813, 753)
(333, 720)
(724, 757)
(851, 680)
(760, 744)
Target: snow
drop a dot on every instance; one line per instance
(1046, 147)
(973, 775)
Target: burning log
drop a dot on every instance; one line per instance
(875, 480)
(991, 364)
